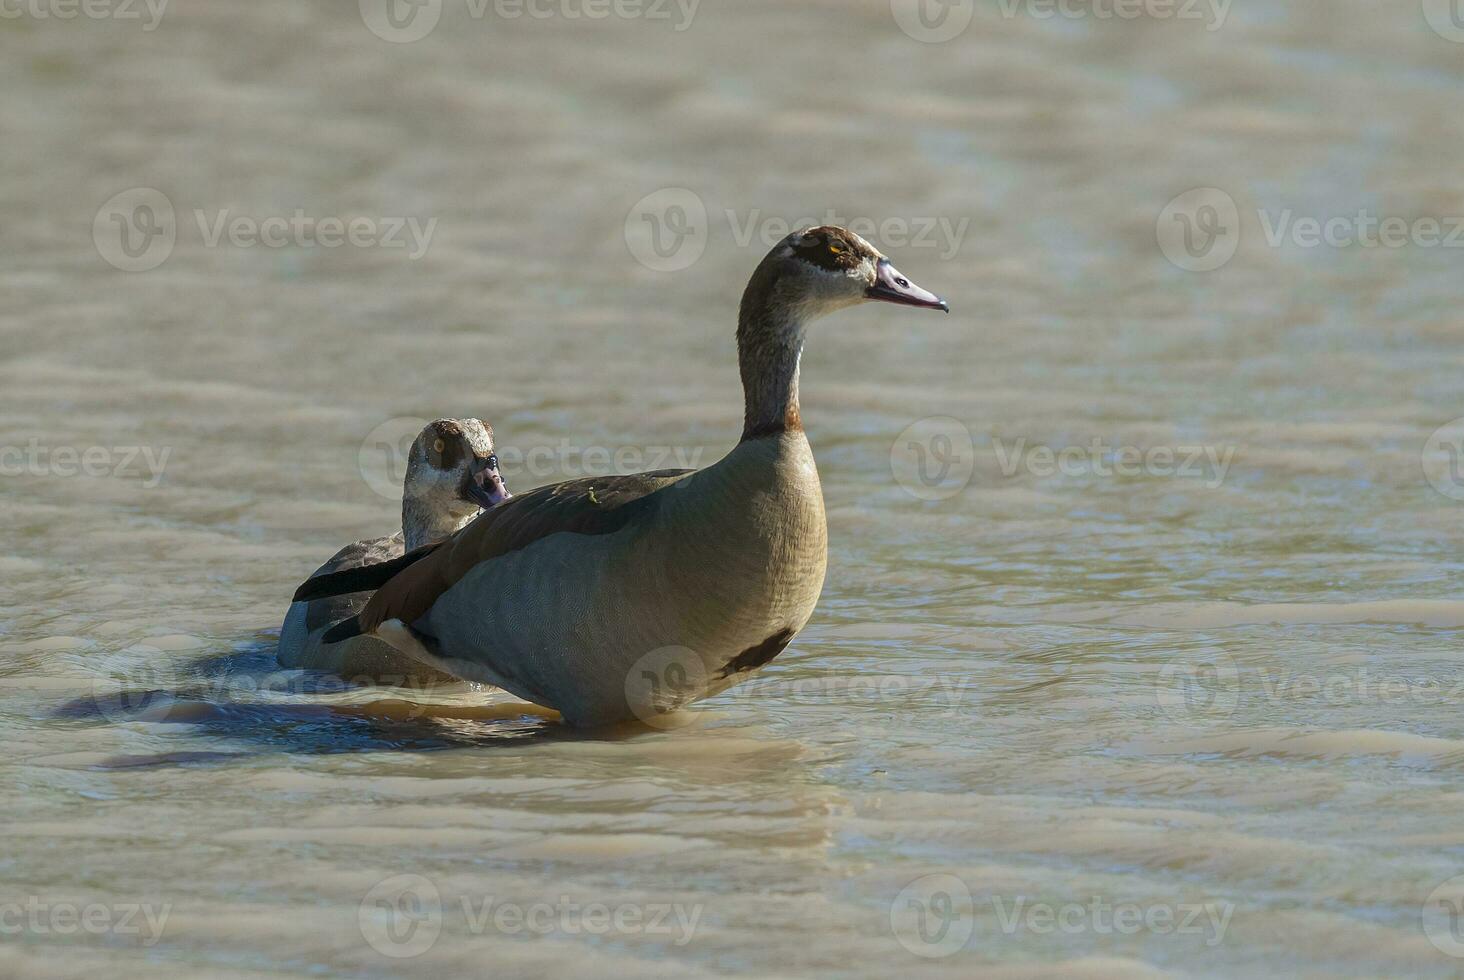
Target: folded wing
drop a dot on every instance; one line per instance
(407, 587)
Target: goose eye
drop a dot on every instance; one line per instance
(493, 461)
(439, 446)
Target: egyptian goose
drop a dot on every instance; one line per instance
(452, 473)
(627, 596)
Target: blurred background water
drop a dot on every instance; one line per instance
(1142, 602)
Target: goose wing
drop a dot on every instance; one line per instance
(407, 587)
(332, 609)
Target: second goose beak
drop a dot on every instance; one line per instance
(486, 488)
(891, 287)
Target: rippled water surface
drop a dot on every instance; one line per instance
(1175, 717)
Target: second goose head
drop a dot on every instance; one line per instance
(452, 473)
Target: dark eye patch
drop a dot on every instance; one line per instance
(829, 253)
(452, 445)
(452, 453)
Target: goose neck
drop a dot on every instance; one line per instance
(769, 348)
(423, 523)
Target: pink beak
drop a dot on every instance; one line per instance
(487, 488)
(891, 287)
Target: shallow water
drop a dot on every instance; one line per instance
(1218, 697)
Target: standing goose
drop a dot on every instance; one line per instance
(452, 472)
(620, 596)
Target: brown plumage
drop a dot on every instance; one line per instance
(615, 597)
(451, 469)
(594, 505)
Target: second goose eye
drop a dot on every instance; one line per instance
(492, 461)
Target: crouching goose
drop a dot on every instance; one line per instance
(452, 472)
(620, 596)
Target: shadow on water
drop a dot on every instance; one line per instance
(246, 697)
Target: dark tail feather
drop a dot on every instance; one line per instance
(343, 630)
(363, 579)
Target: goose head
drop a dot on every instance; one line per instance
(818, 271)
(452, 473)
